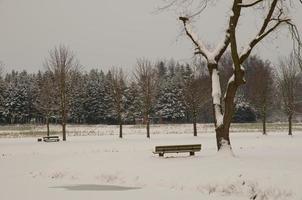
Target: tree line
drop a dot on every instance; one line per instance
(157, 92)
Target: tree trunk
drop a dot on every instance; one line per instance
(148, 128)
(290, 124)
(64, 124)
(222, 137)
(121, 129)
(194, 125)
(222, 121)
(63, 105)
(47, 125)
(194, 121)
(264, 123)
(64, 131)
(195, 128)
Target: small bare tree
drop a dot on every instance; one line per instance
(288, 81)
(196, 88)
(61, 62)
(260, 87)
(117, 87)
(146, 80)
(47, 99)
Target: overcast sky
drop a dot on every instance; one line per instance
(106, 33)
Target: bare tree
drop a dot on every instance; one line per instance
(117, 86)
(196, 88)
(275, 16)
(146, 79)
(47, 99)
(288, 81)
(260, 87)
(61, 62)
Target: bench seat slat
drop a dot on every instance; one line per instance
(177, 148)
(192, 147)
(51, 139)
(186, 145)
(179, 151)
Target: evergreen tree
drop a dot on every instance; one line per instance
(110, 116)
(95, 108)
(77, 97)
(244, 112)
(169, 105)
(19, 98)
(2, 92)
(133, 103)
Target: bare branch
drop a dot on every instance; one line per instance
(263, 32)
(250, 4)
(196, 7)
(233, 21)
(297, 43)
(236, 14)
(170, 4)
(256, 40)
(268, 17)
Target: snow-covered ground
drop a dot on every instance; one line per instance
(102, 166)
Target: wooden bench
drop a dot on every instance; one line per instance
(191, 148)
(54, 138)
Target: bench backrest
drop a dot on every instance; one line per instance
(54, 136)
(189, 147)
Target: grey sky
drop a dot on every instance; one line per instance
(106, 33)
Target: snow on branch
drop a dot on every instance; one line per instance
(233, 21)
(201, 49)
(213, 56)
(216, 90)
(216, 95)
(233, 24)
(220, 49)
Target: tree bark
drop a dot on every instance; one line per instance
(222, 137)
(64, 131)
(290, 124)
(47, 125)
(63, 105)
(222, 121)
(121, 129)
(64, 127)
(148, 128)
(195, 128)
(264, 123)
(194, 125)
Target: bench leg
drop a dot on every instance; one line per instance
(161, 154)
(192, 153)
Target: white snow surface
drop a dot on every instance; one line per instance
(264, 167)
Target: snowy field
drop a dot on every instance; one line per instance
(95, 164)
